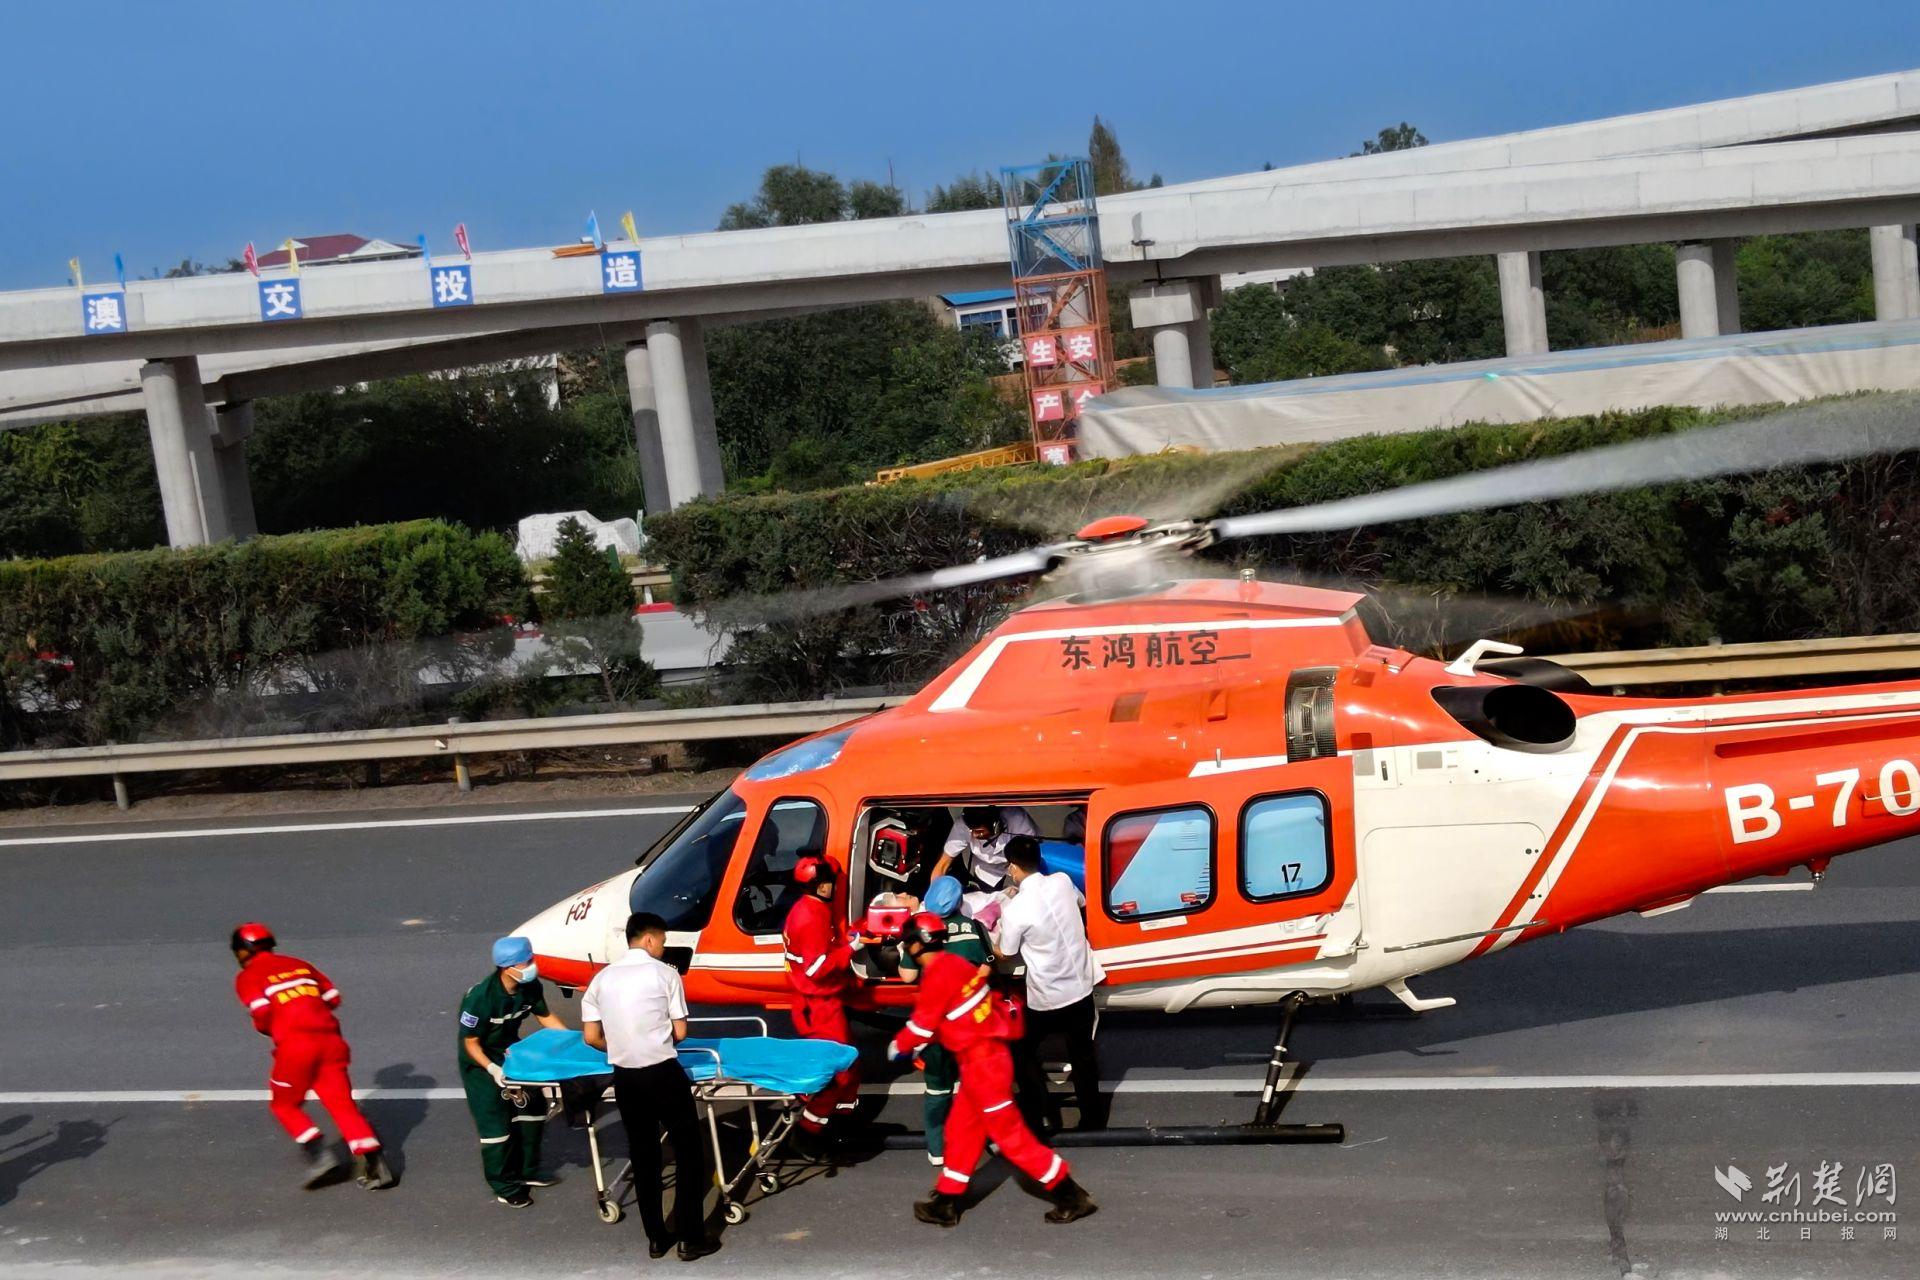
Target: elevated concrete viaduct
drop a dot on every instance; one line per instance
(1841, 155)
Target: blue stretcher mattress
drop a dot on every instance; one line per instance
(768, 1062)
(1059, 855)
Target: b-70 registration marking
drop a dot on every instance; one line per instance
(1753, 809)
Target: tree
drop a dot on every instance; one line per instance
(790, 195)
(1816, 277)
(968, 191)
(587, 616)
(1110, 172)
(1400, 137)
(875, 200)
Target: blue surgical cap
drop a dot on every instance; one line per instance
(512, 951)
(943, 895)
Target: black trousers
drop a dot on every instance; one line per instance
(1075, 1025)
(651, 1099)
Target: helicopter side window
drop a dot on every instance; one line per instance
(1159, 862)
(791, 830)
(1285, 846)
(680, 879)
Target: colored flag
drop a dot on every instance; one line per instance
(460, 238)
(626, 225)
(593, 228)
(120, 270)
(252, 260)
(293, 255)
(79, 281)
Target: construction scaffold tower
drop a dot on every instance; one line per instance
(1060, 296)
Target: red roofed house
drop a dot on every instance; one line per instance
(318, 251)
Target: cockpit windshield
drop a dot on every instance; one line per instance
(679, 880)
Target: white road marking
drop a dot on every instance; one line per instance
(1148, 1085)
(463, 820)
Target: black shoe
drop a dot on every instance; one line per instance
(694, 1250)
(1071, 1203)
(518, 1199)
(541, 1178)
(374, 1173)
(942, 1210)
(658, 1248)
(809, 1145)
(321, 1161)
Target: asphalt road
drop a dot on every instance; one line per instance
(1494, 1138)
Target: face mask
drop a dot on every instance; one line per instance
(527, 974)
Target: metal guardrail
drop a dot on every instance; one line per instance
(456, 741)
(1767, 660)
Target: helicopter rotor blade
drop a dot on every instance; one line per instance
(1797, 436)
(795, 605)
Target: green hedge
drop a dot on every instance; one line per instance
(117, 647)
(1786, 553)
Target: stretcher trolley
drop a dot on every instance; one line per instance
(764, 1076)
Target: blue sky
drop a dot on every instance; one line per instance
(190, 127)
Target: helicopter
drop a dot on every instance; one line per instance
(1273, 808)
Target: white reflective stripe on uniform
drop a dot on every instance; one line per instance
(255, 1004)
(539, 1119)
(278, 987)
(1053, 1171)
(975, 999)
(359, 1145)
(936, 1161)
(919, 1030)
(938, 1093)
(793, 959)
(278, 1084)
(958, 1176)
(487, 1142)
(808, 1115)
(846, 1106)
(815, 966)
(309, 1135)
(330, 994)
(998, 1106)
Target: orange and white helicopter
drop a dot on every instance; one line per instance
(1275, 807)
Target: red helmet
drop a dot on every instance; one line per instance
(252, 935)
(815, 868)
(927, 929)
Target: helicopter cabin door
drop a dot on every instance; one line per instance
(1199, 889)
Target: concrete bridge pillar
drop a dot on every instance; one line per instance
(232, 426)
(1523, 303)
(646, 428)
(1174, 314)
(1896, 272)
(183, 456)
(1709, 294)
(683, 398)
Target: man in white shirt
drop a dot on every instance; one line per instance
(636, 1010)
(1044, 923)
(981, 836)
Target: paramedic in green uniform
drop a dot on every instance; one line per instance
(491, 1016)
(966, 939)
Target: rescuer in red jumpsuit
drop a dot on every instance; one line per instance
(820, 970)
(293, 1002)
(957, 1009)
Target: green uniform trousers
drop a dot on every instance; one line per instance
(509, 1134)
(943, 1076)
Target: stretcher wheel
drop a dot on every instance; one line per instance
(735, 1214)
(769, 1183)
(610, 1212)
